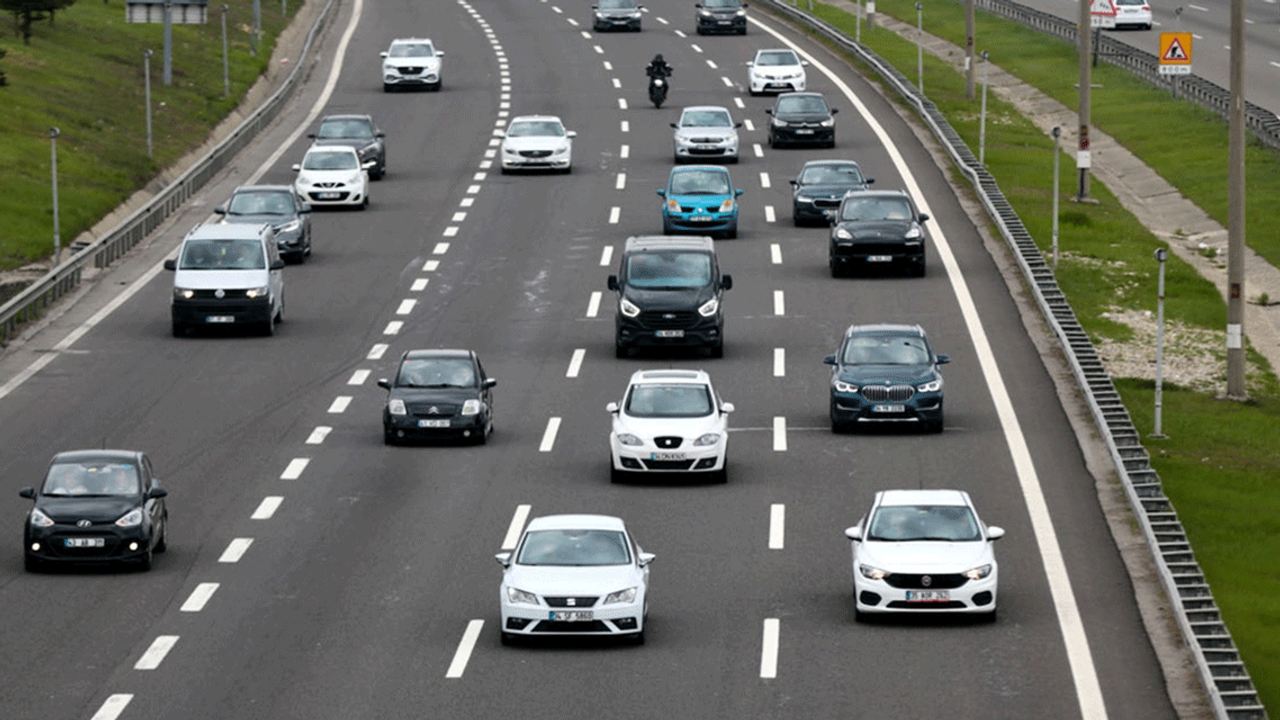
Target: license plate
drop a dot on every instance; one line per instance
(433, 423)
(804, 132)
(726, 22)
(880, 258)
(707, 146)
(328, 195)
(928, 596)
(85, 542)
(889, 408)
(666, 456)
(570, 615)
(669, 333)
(700, 218)
(220, 319)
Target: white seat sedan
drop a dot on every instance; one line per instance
(537, 142)
(706, 132)
(923, 551)
(670, 421)
(412, 62)
(575, 575)
(333, 175)
(775, 71)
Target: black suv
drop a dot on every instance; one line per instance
(359, 132)
(802, 118)
(721, 16)
(669, 295)
(877, 229)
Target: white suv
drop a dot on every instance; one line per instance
(670, 421)
(777, 70)
(411, 62)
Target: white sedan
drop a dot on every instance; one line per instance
(775, 71)
(333, 175)
(670, 421)
(923, 551)
(575, 575)
(537, 142)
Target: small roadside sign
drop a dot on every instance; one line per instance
(1175, 53)
(1102, 14)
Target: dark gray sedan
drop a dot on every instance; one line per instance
(279, 206)
(820, 187)
(358, 131)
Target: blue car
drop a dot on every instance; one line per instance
(700, 199)
(886, 373)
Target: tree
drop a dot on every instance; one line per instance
(28, 12)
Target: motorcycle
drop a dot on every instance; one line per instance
(657, 87)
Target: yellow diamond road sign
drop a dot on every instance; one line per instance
(1175, 53)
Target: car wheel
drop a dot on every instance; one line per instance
(179, 329)
(163, 543)
(388, 436)
(508, 639)
(365, 205)
(721, 476)
(831, 143)
(145, 561)
(990, 617)
(616, 476)
(733, 160)
(387, 88)
(837, 270)
(743, 31)
(732, 232)
(859, 616)
(839, 427)
(31, 563)
(699, 31)
(483, 436)
(666, 227)
(795, 220)
(935, 426)
(505, 170)
(567, 170)
(269, 327)
(638, 638)
(717, 350)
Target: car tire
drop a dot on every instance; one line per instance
(145, 561)
(716, 351)
(699, 31)
(567, 170)
(935, 426)
(163, 543)
(387, 88)
(991, 617)
(388, 436)
(838, 427)
(831, 143)
(365, 205)
(859, 616)
(269, 327)
(179, 330)
(733, 160)
(504, 170)
(31, 563)
(721, 476)
(666, 227)
(743, 31)
(637, 638)
(507, 639)
(616, 476)
(732, 232)
(483, 437)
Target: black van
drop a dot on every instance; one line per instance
(669, 295)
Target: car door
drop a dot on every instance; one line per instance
(154, 506)
(275, 275)
(486, 391)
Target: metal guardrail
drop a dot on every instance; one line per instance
(33, 301)
(1225, 678)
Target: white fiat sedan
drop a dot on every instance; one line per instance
(333, 175)
(670, 421)
(537, 142)
(778, 70)
(575, 575)
(923, 551)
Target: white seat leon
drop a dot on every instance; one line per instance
(333, 175)
(575, 575)
(537, 142)
(778, 70)
(923, 551)
(670, 421)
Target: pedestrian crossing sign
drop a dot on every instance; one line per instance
(1175, 53)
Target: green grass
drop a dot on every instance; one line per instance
(84, 75)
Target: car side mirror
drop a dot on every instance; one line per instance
(503, 558)
(726, 282)
(726, 407)
(737, 193)
(488, 383)
(829, 360)
(613, 283)
(571, 134)
(868, 181)
(611, 407)
(768, 111)
(382, 54)
(830, 215)
(662, 193)
(924, 217)
(311, 135)
(994, 532)
(646, 558)
(170, 264)
(853, 533)
(370, 165)
(380, 134)
(277, 264)
(804, 63)
(500, 133)
(737, 124)
(304, 209)
(835, 110)
(27, 492)
(750, 63)
(794, 182)
(297, 167)
(675, 126)
(698, 5)
(220, 210)
(439, 53)
(157, 492)
(942, 359)
(384, 383)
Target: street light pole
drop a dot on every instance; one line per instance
(146, 80)
(226, 66)
(53, 164)
(168, 42)
(1057, 153)
(1161, 255)
(1236, 210)
(969, 22)
(257, 26)
(982, 123)
(1085, 36)
(920, 45)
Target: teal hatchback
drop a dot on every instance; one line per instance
(700, 199)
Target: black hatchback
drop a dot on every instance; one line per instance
(96, 506)
(440, 394)
(802, 118)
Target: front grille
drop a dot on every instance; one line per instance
(826, 202)
(410, 70)
(423, 410)
(707, 151)
(212, 294)
(892, 393)
(700, 208)
(556, 626)
(341, 196)
(712, 140)
(535, 153)
(668, 319)
(668, 464)
(582, 602)
(328, 185)
(668, 442)
(904, 581)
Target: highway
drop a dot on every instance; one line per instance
(315, 573)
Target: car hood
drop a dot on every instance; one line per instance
(886, 374)
(212, 279)
(428, 62)
(253, 219)
(450, 396)
(97, 509)
(319, 176)
(703, 199)
(925, 556)
(878, 229)
(679, 299)
(777, 70)
(708, 132)
(535, 143)
(561, 580)
(689, 428)
(352, 142)
(802, 117)
(827, 191)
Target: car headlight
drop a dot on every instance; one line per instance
(39, 519)
(629, 439)
(471, 407)
(390, 70)
(673, 206)
(520, 596)
(355, 178)
(741, 13)
(777, 122)
(709, 307)
(843, 234)
(727, 205)
(257, 292)
(704, 13)
(829, 122)
(622, 596)
(628, 308)
(184, 293)
(131, 518)
(681, 137)
(844, 387)
(395, 406)
(509, 150)
(563, 150)
(803, 199)
(977, 573)
(913, 233)
(934, 385)
(368, 151)
(291, 226)
(708, 439)
(873, 573)
(303, 179)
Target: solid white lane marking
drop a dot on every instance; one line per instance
(759, 151)
(358, 377)
(624, 152)
(392, 327)
(318, 435)
(377, 351)
(777, 525)
(440, 248)
(764, 180)
(406, 307)
(199, 597)
(418, 285)
(112, 707)
(575, 362)
(463, 654)
(340, 404)
(768, 214)
(779, 434)
(294, 469)
(779, 362)
(593, 305)
(267, 507)
(235, 550)
(549, 436)
(775, 253)
(621, 184)
(615, 212)
(779, 303)
(430, 265)
(750, 126)
(769, 649)
(606, 255)
(517, 524)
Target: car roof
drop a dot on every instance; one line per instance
(922, 497)
(774, 50)
(829, 161)
(877, 193)
(801, 94)
(575, 522)
(264, 188)
(704, 107)
(694, 168)
(670, 376)
(230, 231)
(436, 353)
(885, 329)
(637, 243)
(346, 117)
(410, 40)
(333, 148)
(522, 118)
(76, 456)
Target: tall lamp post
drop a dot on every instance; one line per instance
(53, 163)
(226, 66)
(920, 45)
(982, 122)
(1057, 154)
(146, 80)
(1161, 255)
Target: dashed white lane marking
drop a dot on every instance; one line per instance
(549, 435)
(473, 189)
(1197, 7)
(617, 83)
(615, 213)
(779, 362)
(574, 23)
(199, 597)
(154, 655)
(593, 305)
(575, 362)
(768, 214)
(406, 307)
(712, 64)
(585, 35)
(294, 469)
(430, 265)
(451, 231)
(318, 435)
(769, 649)
(727, 82)
(235, 550)
(358, 377)
(624, 152)
(681, 33)
(558, 10)
(495, 142)
(775, 253)
(780, 434)
(340, 404)
(750, 126)
(621, 184)
(517, 524)
(1273, 63)
(392, 327)
(418, 285)
(622, 103)
(608, 66)
(662, 20)
(440, 248)
(463, 654)
(600, 51)
(695, 47)
(625, 126)
(377, 351)
(267, 507)
(779, 303)
(741, 105)
(759, 151)
(112, 707)
(764, 180)
(606, 255)
(777, 525)
(479, 176)
(459, 217)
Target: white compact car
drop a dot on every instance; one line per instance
(923, 551)
(670, 421)
(775, 71)
(706, 132)
(574, 575)
(412, 62)
(333, 175)
(537, 142)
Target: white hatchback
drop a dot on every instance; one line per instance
(778, 70)
(923, 551)
(333, 175)
(670, 421)
(537, 142)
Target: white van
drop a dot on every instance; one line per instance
(227, 275)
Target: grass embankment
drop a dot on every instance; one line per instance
(1221, 457)
(84, 75)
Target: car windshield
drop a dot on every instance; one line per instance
(699, 182)
(831, 175)
(907, 523)
(668, 270)
(861, 209)
(409, 50)
(802, 104)
(720, 3)
(436, 373)
(669, 401)
(616, 4)
(330, 160)
(574, 548)
(94, 477)
(223, 255)
(345, 128)
(261, 203)
(885, 350)
(706, 118)
(777, 57)
(535, 128)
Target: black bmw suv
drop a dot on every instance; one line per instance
(876, 229)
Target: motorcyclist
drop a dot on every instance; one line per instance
(658, 67)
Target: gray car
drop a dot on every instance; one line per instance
(278, 206)
(358, 131)
(706, 132)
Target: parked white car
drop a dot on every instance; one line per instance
(706, 132)
(574, 575)
(779, 70)
(537, 142)
(670, 421)
(412, 62)
(333, 175)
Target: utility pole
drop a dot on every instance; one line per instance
(1085, 36)
(1235, 211)
(968, 48)
(168, 43)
